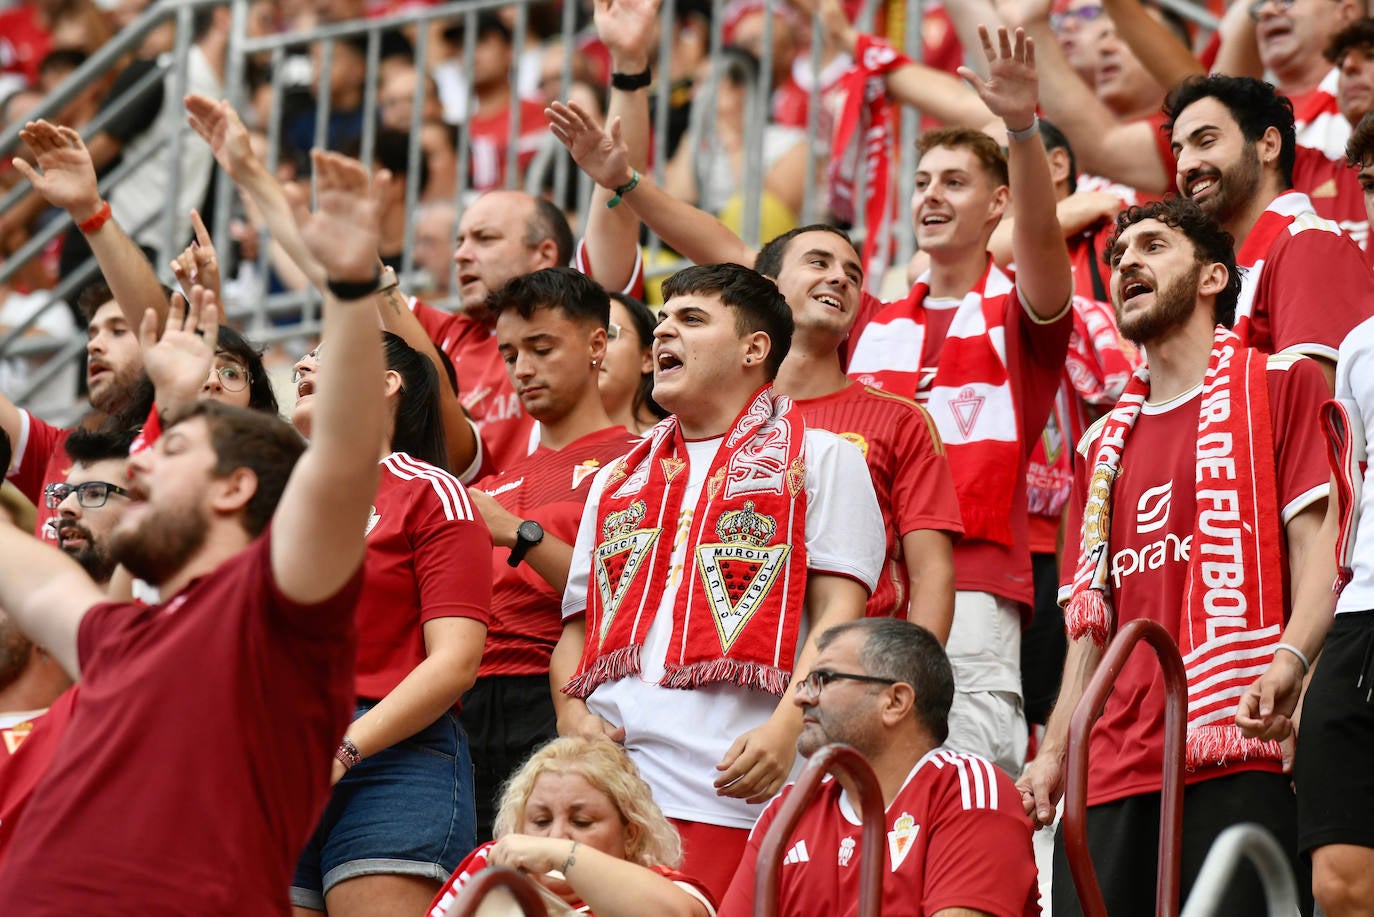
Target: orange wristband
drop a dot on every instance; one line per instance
(101, 217)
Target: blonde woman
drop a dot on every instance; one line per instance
(579, 808)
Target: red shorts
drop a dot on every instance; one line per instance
(711, 853)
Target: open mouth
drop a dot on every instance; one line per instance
(830, 300)
(1134, 288)
(1202, 185)
(305, 387)
(666, 363)
(935, 219)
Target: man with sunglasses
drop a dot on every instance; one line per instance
(956, 840)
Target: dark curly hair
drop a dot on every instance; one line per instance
(1254, 104)
(1211, 244)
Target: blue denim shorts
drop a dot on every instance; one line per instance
(406, 810)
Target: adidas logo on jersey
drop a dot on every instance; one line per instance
(797, 854)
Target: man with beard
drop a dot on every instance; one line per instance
(957, 841)
(1209, 468)
(208, 723)
(36, 696)
(116, 385)
(1233, 137)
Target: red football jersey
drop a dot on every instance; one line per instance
(204, 737)
(1334, 190)
(549, 486)
(490, 135)
(1151, 532)
(957, 837)
(40, 459)
(910, 474)
(422, 526)
(26, 750)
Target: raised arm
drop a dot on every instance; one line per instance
(67, 180)
(1122, 152)
(178, 358)
(627, 27)
(198, 264)
(460, 438)
(221, 127)
(317, 543)
(934, 93)
(604, 155)
(1044, 275)
(1238, 54)
(1166, 58)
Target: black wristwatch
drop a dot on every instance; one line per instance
(529, 534)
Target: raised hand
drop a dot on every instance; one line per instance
(198, 264)
(223, 129)
(68, 177)
(179, 360)
(1012, 89)
(342, 234)
(601, 154)
(628, 28)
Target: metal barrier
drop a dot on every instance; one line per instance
(521, 888)
(1171, 805)
(1247, 841)
(295, 314)
(844, 761)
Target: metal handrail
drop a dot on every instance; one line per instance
(1087, 712)
(845, 762)
(521, 888)
(1248, 841)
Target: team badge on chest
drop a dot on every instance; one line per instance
(740, 570)
(901, 839)
(619, 558)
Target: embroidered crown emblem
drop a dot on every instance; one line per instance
(744, 526)
(623, 522)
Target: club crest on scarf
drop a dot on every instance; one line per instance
(740, 570)
(618, 557)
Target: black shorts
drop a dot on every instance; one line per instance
(506, 717)
(1334, 768)
(1123, 837)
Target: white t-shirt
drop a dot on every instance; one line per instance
(676, 737)
(1355, 388)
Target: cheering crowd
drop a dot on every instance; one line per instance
(569, 583)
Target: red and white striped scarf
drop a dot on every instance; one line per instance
(737, 614)
(968, 393)
(1347, 455)
(863, 131)
(1232, 611)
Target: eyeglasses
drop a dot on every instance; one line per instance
(1081, 17)
(233, 376)
(815, 682)
(91, 495)
(1256, 5)
(612, 331)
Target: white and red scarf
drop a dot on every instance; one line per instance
(1346, 451)
(863, 132)
(737, 613)
(968, 392)
(1232, 612)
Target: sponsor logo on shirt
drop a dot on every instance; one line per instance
(1152, 510)
(511, 485)
(1169, 549)
(797, 854)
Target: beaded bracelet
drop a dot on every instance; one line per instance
(348, 754)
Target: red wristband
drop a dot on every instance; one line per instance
(101, 216)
